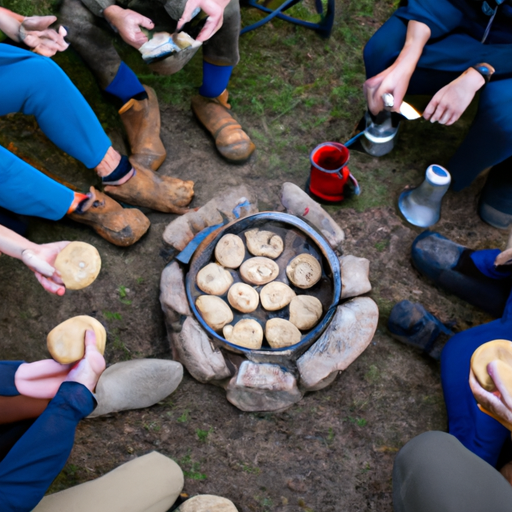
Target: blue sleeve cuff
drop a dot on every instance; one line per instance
(484, 261)
(73, 400)
(7, 372)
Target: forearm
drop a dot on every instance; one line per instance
(37, 458)
(417, 37)
(13, 244)
(10, 23)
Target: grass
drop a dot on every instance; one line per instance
(202, 435)
(110, 315)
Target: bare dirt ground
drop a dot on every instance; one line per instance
(334, 450)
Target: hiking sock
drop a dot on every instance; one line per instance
(215, 79)
(126, 85)
(78, 203)
(122, 169)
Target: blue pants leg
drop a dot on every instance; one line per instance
(489, 140)
(36, 86)
(477, 431)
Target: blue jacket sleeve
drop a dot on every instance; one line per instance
(27, 191)
(7, 372)
(441, 16)
(37, 458)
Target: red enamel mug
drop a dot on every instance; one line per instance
(329, 171)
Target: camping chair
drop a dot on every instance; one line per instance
(323, 28)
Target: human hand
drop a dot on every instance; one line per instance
(41, 379)
(215, 11)
(41, 260)
(394, 80)
(498, 403)
(449, 103)
(34, 32)
(89, 369)
(128, 23)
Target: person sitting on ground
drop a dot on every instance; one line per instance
(483, 278)
(451, 49)
(68, 121)
(90, 23)
(41, 404)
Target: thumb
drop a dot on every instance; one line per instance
(38, 22)
(90, 340)
(146, 23)
(190, 7)
(31, 260)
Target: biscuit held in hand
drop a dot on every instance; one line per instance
(492, 388)
(66, 341)
(79, 265)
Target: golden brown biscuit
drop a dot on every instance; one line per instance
(305, 311)
(497, 350)
(304, 271)
(281, 333)
(215, 312)
(276, 295)
(230, 251)
(246, 333)
(66, 342)
(214, 279)
(259, 270)
(79, 265)
(243, 297)
(264, 243)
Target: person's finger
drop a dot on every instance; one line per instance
(190, 7)
(501, 374)
(430, 109)
(146, 23)
(439, 112)
(49, 285)
(447, 115)
(90, 340)
(211, 26)
(31, 260)
(38, 22)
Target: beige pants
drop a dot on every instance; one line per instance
(151, 483)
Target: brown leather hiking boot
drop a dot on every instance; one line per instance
(120, 226)
(161, 193)
(231, 141)
(141, 119)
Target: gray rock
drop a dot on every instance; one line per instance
(198, 354)
(173, 297)
(298, 203)
(136, 384)
(183, 229)
(207, 503)
(263, 387)
(354, 276)
(349, 333)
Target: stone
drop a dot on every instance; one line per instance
(298, 203)
(347, 336)
(354, 276)
(263, 387)
(173, 297)
(197, 353)
(207, 503)
(136, 384)
(182, 230)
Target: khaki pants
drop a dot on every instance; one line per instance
(151, 483)
(434, 473)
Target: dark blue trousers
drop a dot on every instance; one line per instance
(40, 454)
(36, 86)
(444, 58)
(477, 431)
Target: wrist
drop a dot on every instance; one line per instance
(473, 79)
(485, 70)
(111, 11)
